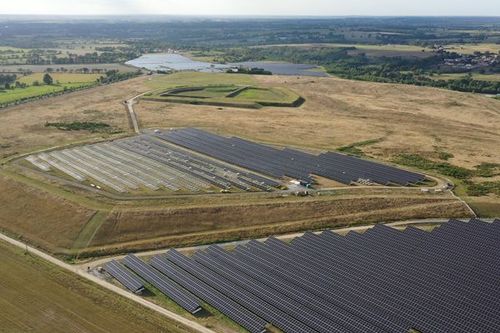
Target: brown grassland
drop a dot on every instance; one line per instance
(22, 128)
(36, 296)
(336, 113)
(341, 112)
(126, 230)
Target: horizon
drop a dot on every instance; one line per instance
(256, 8)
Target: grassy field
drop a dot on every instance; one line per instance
(458, 76)
(245, 96)
(12, 95)
(22, 127)
(339, 112)
(39, 297)
(69, 67)
(62, 81)
(142, 229)
(471, 48)
(395, 119)
(25, 213)
(372, 50)
(60, 77)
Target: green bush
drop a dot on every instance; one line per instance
(480, 189)
(79, 126)
(443, 168)
(487, 169)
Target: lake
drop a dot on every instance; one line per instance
(177, 62)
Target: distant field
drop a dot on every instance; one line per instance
(61, 77)
(458, 76)
(62, 81)
(471, 48)
(36, 296)
(43, 68)
(373, 50)
(12, 95)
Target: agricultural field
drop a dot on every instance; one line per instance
(62, 78)
(36, 88)
(98, 68)
(371, 50)
(472, 47)
(475, 76)
(38, 296)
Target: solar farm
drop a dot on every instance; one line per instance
(291, 163)
(192, 160)
(245, 96)
(383, 280)
(143, 162)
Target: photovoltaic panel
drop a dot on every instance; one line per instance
(131, 281)
(384, 280)
(289, 162)
(165, 285)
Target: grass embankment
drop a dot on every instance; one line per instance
(229, 95)
(39, 217)
(40, 297)
(66, 223)
(134, 230)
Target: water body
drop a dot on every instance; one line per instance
(177, 62)
(173, 61)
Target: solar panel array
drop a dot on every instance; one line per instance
(147, 162)
(131, 281)
(288, 162)
(383, 280)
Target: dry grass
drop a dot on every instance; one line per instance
(31, 214)
(139, 225)
(22, 128)
(336, 113)
(38, 297)
(214, 228)
(340, 112)
(471, 48)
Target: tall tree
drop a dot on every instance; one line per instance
(47, 79)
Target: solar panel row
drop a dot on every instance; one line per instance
(288, 162)
(383, 280)
(166, 286)
(124, 276)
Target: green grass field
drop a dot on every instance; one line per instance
(231, 90)
(36, 296)
(12, 95)
(61, 77)
(62, 81)
(198, 79)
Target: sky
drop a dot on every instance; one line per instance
(254, 7)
